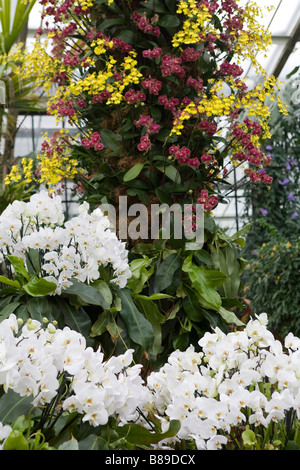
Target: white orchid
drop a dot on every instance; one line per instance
(71, 250)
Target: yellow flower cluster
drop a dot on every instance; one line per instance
(197, 19)
(101, 45)
(24, 172)
(57, 168)
(254, 37)
(51, 169)
(186, 113)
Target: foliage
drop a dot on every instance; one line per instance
(272, 279)
(185, 293)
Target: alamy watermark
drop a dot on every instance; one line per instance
(157, 221)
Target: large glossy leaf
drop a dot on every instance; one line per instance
(38, 287)
(8, 309)
(12, 406)
(88, 294)
(19, 266)
(139, 435)
(205, 282)
(139, 329)
(134, 171)
(68, 315)
(38, 308)
(150, 311)
(166, 271)
(9, 282)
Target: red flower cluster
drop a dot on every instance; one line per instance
(93, 142)
(143, 23)
(152, 85)
(147, 122)
(144, 144)
(132, 96)
(171, 65)
(230, 69)
(182, 155)
(209, 202)
(154, 53)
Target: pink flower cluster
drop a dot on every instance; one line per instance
(230, 69)
(64, 108)
(132, 96)
(93, 142)
(197, 84)
(152, 54)
(169, 104)
(190, 54)
(182, 155)
(251, 153)
(104, 95)
(147, 122)
(122, 45)
(60, 78)
(152, 85)
(209, 127)
(171, 65)
(143, 23)
(209, 202)
(144, 144)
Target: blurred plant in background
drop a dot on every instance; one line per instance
(275, 211)
(271, 281)
(272, 245)
(19, 94)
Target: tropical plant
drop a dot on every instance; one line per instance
(154, 90)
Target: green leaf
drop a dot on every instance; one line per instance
(230, 317)
(134, 171)
(100, 325)
(205, 282)
(111, 140)
(33, 261)
(153, 315)
(166, 271)
(12, 405)
(157, 296)
(249, 437)
(138, 327)
(192, 306)
(8, 310)
(72, 444)
(87, 293)
(18, 265)
(139, 435)
(169, 21)
(76, 318)
(104, 289)
(10, 282)
(38, 308)
(16, 441)
(37, 286)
